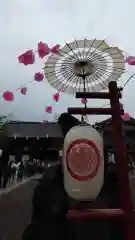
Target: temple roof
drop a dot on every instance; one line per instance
(33, 129)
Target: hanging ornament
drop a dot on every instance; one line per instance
(43, 49)
(39, 76)
(48, 109)
(56, 97)
(23, 90)
(8, 96)
(84, 100)
(55, 49)
(27, 57)
(130, 60)
(126, 116)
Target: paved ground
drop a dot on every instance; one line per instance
(15, 210)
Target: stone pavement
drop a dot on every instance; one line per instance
(15, 208)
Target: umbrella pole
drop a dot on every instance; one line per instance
(85, 104)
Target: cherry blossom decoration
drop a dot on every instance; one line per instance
(39, 77)
(130, 60)
(55, 49)
(27, 58)
(56, 97)
(126, 116)
(48, 109)
(43, 50)
(23, 90)
(8, 96)
(84, 100)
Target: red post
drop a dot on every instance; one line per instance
(122, 162)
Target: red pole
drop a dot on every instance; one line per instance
(122, 162)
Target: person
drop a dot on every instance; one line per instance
(50, 208)
(13, 171)
(9, 171)
(19, 172)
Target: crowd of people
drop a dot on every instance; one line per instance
(16, 171)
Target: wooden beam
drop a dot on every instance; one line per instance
(99, 111)
(93, 95)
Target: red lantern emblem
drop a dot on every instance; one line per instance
(23, 90)
(48, 109)
(84, 100)
(56, 97)
(83, 159)
(39, 77)
(8, 96)
(27, 57)
(55, 49)
(43, 49)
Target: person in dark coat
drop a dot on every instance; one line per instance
(49, 208)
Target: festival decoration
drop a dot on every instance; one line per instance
(43, 50)
(126, 116)
(23, 90)
(48, 109)
(8, 96)
(130, 60)
(84, 65)
(56, 49)
(39, 77)
(84, 100)
(27, 57)
(56, 97)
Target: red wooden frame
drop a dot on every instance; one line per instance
(126, 212)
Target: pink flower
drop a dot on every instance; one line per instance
(84, 100)
(27, 57)
(23, 90)
(126, 116)
(39, 76)
(56, 49)
(43, 49)
(8, 96)
(130, 60)
(48, 109)
(56, 97)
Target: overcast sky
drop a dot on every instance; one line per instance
(25, 22)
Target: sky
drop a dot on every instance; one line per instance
(24, 23)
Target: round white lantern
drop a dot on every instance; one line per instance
(83, 163)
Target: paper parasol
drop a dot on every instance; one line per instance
(84, 65)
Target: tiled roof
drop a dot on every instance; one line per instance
(109, 120)
(33, 129)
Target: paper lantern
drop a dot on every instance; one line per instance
(56, 97)
(27, 57)
(126, 116)
(8, 96)
(48, 109)
(56, 49)
(23, 90)
(43, 49)
(130, 60)
(84, 100)
(39, 76)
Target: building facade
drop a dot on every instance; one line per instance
(31, 139)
